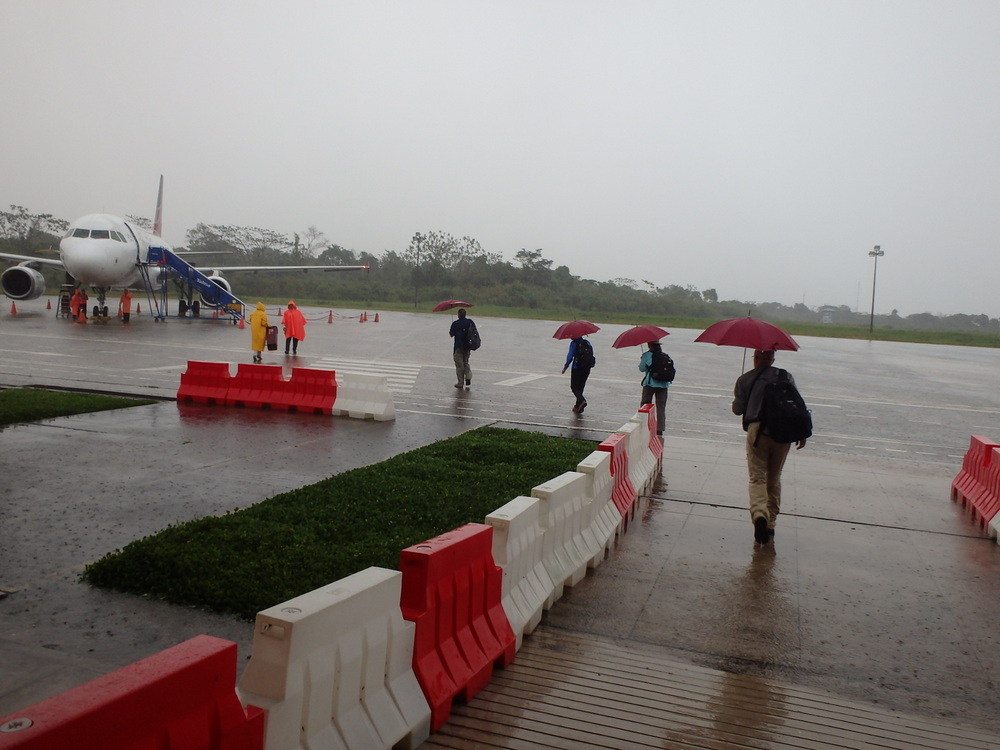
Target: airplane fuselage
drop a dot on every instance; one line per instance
(104, 251)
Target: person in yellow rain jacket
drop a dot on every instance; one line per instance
(295, 327)
(258, 331)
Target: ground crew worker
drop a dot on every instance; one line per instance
(125, 305)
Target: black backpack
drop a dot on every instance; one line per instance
(783, 412)
(584, 356)
(472, 340)
(662, 368)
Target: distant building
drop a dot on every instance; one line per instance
(827, 313)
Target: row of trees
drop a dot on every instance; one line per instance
(436, 265)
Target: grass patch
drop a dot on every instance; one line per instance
(19, 405)
(251, 559)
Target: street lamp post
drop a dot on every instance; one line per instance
(876, 253)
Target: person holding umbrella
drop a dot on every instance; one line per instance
(466, 337)
(765, 456)
(581, 357)
(659, 369)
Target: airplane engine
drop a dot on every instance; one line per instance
(22, 282)
(211, 300)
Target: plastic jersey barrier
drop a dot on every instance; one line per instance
(205, 382)
(564, 550)
(990, 502)
(365, 397)
(333, 668)
(640, 460)
(316, 390)
(181, 698)
(622, 491)
(969, 486)
(253, 385)
(451, 592)
(606, 521)
(527, 589)
(655, 443)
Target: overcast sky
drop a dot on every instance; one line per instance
(757, 147)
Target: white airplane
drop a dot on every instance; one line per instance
(105, 252)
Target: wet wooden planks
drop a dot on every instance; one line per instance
(569, 690)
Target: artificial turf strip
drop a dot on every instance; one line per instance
(19, 405)
(251, 559)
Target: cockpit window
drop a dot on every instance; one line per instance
(100, 234)
(81, 232)
(119, 236)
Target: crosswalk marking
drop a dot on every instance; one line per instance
(400, 377)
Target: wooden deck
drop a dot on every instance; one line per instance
(571, 690)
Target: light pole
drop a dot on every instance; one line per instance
(876, 253)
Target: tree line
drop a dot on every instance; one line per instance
(437, 265)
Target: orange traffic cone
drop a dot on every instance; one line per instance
(330, 319)
(138, 308)
(215, 314)
(13, 309)
(48, 305)
(241, 324)
(376, 317)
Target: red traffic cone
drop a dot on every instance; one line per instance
(241, 323)
(330, 319)
(376, 317)
(48, 305)
(13, 309)
(138, 308)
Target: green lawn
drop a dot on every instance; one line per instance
(252, 559)
(19, 405)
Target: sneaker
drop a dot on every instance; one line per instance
(582, 407)
(468, 381)
(760, 532)
(458, 385)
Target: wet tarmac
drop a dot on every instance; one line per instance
(877, 588)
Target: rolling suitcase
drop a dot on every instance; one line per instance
(272, 338)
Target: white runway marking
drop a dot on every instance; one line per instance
(522, 379)
(400, 377)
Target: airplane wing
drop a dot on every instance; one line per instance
(237, 269)
(55, 262)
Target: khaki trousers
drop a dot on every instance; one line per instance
(765, 461)
(462, 369)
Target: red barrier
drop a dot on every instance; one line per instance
(451, 592)
(989, 504)
(205, 382)
(623, 493)
(315, 390)
(256, 386)
(179, 699)
(970, 485)
(655, 444)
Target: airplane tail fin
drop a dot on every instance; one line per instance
(158, 220)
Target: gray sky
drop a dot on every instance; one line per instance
(760, 148)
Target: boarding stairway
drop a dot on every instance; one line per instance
(160, 258)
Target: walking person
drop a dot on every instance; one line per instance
(581, 357)
(765, 455)
(125, 305)
(463, 331)
(294, 323)
(258, 331)
(660, 372)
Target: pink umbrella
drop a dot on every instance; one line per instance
(451, 303)
(749, 333)
(638, 336)
(575, 329)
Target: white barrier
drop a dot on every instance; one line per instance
(561, 514)
(517, 548)
(333, 668)
(605, 520)
(364, 396)
(642, 462)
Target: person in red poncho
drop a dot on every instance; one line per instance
(294, 323)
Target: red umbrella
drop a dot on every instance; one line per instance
(638, 336)
(575, 329)
(749, 333)
(449, 304)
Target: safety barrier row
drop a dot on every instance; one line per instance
(180, 698)
(977, 485)
(376, 660)
(308, 390)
